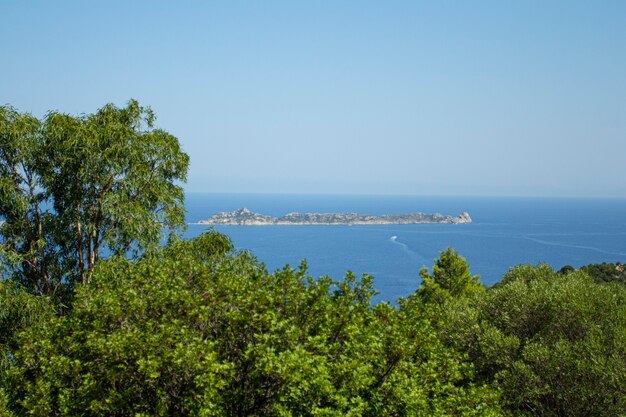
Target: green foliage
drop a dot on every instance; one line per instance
(566, 270)
(554, 344)
(4, 405)
(606, 272)
(18, 310)
(197, 329)
(73, 186)
(451, 277)
(428, 378)
(135, 343)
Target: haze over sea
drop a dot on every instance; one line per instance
(505, 232)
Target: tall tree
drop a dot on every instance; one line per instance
(451, 277)
(72, 187)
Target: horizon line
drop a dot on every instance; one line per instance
(350, 194)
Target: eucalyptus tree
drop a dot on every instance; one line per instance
(72, 187)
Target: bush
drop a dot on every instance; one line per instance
(199, 329)
(554, 344)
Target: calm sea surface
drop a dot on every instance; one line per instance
(505, 232)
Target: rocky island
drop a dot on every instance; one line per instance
(245, 217)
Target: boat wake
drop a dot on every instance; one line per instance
(566, 245)
(405, 248)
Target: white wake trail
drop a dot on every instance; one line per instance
(566, 245)
(406, 249)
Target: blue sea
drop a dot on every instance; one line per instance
(505, 232)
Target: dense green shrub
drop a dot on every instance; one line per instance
(18, 311)
(197, 329)
(554, 344)
(606, 272)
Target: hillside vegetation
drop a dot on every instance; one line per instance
(197, 328)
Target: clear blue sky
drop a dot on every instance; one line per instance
(485, 97)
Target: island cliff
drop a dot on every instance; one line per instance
(245, 217)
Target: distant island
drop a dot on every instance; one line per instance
(245, 217)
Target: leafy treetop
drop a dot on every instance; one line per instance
(73, 187)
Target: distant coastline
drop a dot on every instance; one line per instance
(245, 217)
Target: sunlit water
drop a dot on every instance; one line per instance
(505, 232)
